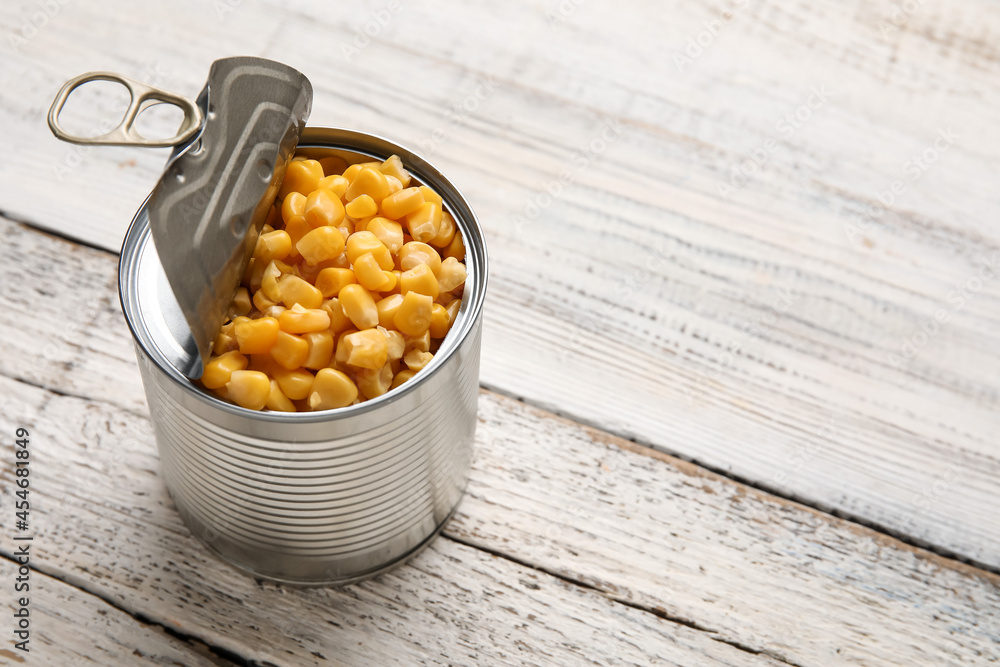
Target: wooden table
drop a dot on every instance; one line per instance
(740, 379)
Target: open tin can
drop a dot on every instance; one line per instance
(309, 498)
(322, 497)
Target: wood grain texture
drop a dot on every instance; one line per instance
(71, 628)
(779, 333)
(640, 528)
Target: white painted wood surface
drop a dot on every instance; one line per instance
(639, 558)
(762, 332)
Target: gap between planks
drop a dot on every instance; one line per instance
(603, 433)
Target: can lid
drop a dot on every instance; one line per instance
(218, 185)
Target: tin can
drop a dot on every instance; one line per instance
(324, 497)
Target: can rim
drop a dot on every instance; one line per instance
(364, 143)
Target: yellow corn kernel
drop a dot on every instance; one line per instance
(273, 245)
(389, 232)
(289, 350)
(277, 401)
(335, 184)
(339, 321)
(395, 185)
(370, 275)
(446, 231)
(296, 229)
(293, 208)
(269, 280)
(362, 207)
(401, 377)
(331, 281)
(294, 290)
(414, 314)
(431, 196)
(393, 166)
(273, 311)
(391, 281)
(300, 320)
(352, 171)
(395, 287)
(456, 248)
(416, 360)
(242, 302)
(366, 349)
(452, 309)
(323, 209)
(261, 302)
(424, 222)
(340, 351)
(224, 343)
(296, 384)
(395, 345)
(219, 369)
(331, 389)
(420, 342)
(369, 182)
(361, 242)
(387, 309)
(414, 253)
(333, 165)
(440, 321)
(320, 349)
(256, 336)
(301, 176)
(373, 382)
(249, 389)
(419, 279)
(320, 245)
(452, 274)
(359, 306)
(402, 203)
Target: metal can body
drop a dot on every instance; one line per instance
(314, 498)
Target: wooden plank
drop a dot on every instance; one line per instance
(778, 333)
(70, 627)
(655, 533)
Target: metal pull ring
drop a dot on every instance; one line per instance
(125, 134)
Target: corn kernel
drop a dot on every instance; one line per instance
(256, 336)
(242, 302)
(395, 185)
(289, 350)
(331, 281)
(456, 248)
(416, 360)
(359, 306)
(300, 320)
(446, 231)
(320, 349)
(414, 253)
(323, 209)
(362, 207)
(219, 369)
(296, 384)
(293, 290)
(424, 223)
(393, 166)
(273, 311)
(395, 345)
(320, 245)
(369, 182)
(332, 389)
(453, 309)
(402, 203)
(414, 314)
(389, 232)
(370, 275)
(335, 184)
(366, 349)
(333, 164)
(249, 389)
(293, 208)
(269, 280)
(361, 242)
(352, 171)
(273, 245)
(224, 343)
(421, 342)
(339, 321)
(277, 401)
(340, 351)
(451, 275)
(419, 279)
(401, 377)
(296, 229)
(391, 281)
(375, 381)
(261, 302)
(301, 176)
(387, 309)
(431, 196)
(440, 321)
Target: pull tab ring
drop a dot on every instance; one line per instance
(125, 134)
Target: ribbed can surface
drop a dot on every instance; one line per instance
(324, 497)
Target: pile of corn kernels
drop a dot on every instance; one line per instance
(354, 281)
